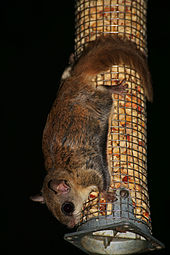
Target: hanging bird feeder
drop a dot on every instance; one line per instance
(122, 226)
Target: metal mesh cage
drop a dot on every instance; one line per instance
(128, 218)
(126, 18)
(126, 150)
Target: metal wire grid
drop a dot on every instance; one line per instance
(125, 18)
(128, 146)
(127, 151)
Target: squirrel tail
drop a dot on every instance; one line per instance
(106, 51)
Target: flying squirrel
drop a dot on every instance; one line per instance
(75, 135)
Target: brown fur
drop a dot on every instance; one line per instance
(75, 135)
(108, 51)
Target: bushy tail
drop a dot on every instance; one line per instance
(106, 51)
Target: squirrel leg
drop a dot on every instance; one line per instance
(120, 88)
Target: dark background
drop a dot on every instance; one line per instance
(37, 39)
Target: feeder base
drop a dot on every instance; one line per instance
(115, 239)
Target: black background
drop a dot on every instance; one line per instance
(37, 39)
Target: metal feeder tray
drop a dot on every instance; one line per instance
(116, 236)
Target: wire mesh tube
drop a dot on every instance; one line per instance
(124, 226)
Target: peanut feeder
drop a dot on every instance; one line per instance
(124, 226)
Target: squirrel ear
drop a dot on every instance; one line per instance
(59, 186)
(38, 198)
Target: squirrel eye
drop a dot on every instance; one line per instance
(67, 208)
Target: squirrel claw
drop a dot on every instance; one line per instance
(120, 88)
(109, 196)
